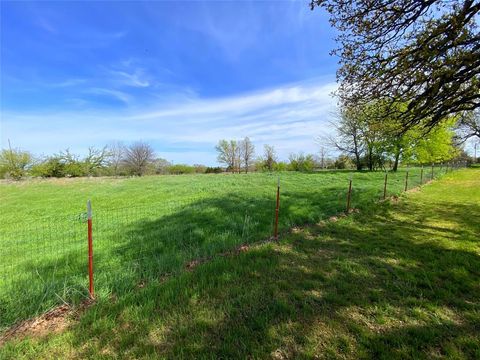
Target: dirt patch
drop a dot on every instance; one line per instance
(414, 190)
(53, 321)
(193, 264)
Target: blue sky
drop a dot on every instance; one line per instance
(179, 75)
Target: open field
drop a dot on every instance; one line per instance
(150, 227)
(397, 280)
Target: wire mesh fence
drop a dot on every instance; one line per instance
(47, 264)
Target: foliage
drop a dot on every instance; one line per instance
(14, 163)
(247, 152)
(425, 53)
(344, 162)
(301, 162)
(178, 169)
(213, 170)
(269, 157)
(49, 167)
(236, 154)
(228, 154)
(436, 146)
(375, 143)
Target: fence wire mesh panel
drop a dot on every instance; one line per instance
(42, 266)
(44, 260)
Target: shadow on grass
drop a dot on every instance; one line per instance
(130, 248)
(376, 285)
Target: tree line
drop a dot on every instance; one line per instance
(116, 159)
(138, 159)
(376, 142)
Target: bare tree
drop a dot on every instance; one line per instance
(116, 154)
(247, 152)
(137, 157)
(323, 157)
(349, 135)
(270, 156)
(228, 153)
(468, 126)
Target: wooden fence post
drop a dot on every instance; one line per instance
(406, 180)
(349, 195)
(385, 186)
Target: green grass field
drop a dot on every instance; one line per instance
(145, 228)
(398, 280)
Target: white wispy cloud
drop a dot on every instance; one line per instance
(135, 79)
(289, 117)
(65, 83)
(116, 94)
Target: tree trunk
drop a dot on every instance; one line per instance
(397, 158)
(358, 162)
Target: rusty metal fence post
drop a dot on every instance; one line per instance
(421, 176)
(90, 249)
(277, 208)
(431, 176)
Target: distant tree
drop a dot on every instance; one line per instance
(247, 152)
(116, 152)
(213, 170)
(52, 166)
(301, 162)
(323, 154)
(199, 168)
(14, 163)
(138, 157)
(425, 53)
(269, 157)
(468, 126)
(72, 165)
(228, 154)
(349, 134)
(344, 162)
(95, 160)
(160, 166)
(178, 169)
(436, 146)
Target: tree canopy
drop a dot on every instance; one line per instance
(425, 53)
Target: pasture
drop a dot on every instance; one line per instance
(397, 280)
(151, 227)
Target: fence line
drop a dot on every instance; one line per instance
(60, 260)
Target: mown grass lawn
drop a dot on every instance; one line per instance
(398, 280)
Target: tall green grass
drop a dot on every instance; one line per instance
(151, 227)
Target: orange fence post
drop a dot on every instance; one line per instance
(277, 208)
(90, 249)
